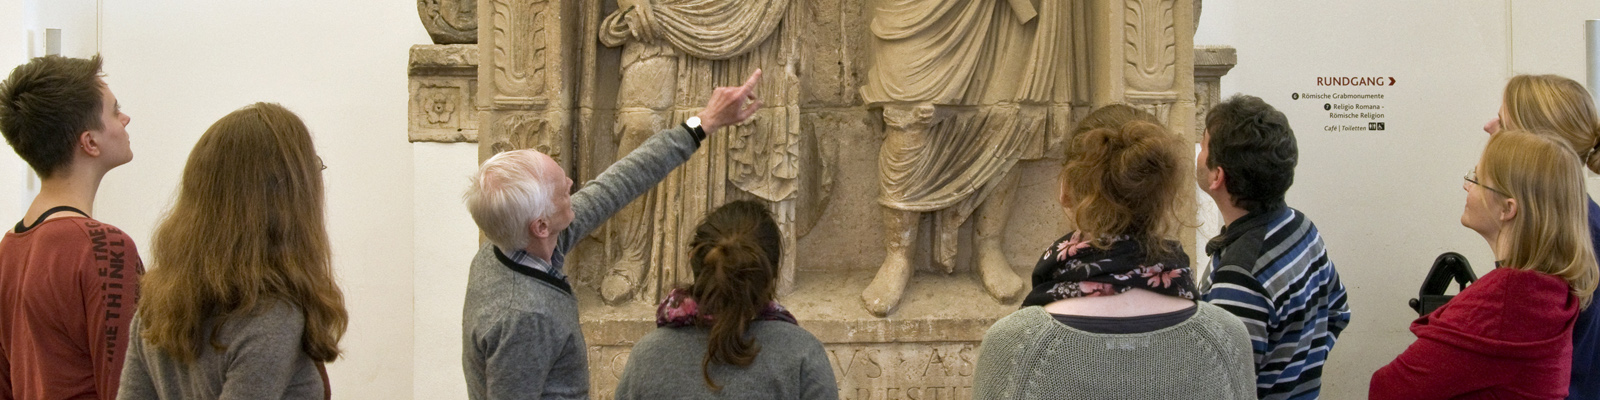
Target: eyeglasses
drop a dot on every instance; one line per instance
(1472, 176)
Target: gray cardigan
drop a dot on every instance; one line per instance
(262, 359)
(791, 365)
(519, 328)
(1028, 355)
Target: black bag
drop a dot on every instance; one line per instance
(1449, 266)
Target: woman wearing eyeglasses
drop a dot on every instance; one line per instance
(1561, 106)
(240, 301)
(1508, 336)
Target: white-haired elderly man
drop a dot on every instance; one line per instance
(520, 334)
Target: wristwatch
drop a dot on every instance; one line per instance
(693, 126)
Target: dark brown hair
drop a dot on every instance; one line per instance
(1255, 147)
(246, 231)
(44, 106)
(735, 255)
(1126, 181)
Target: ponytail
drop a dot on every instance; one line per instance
(735, 255)
(1591, 158)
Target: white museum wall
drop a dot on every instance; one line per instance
(341, 66)
(445, 241)
(13, 51)
(1388, 202)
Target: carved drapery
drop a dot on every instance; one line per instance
(709, 29)
(681, 48)
(965, 53)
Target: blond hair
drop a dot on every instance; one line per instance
(1556, 105)
(1126, 179)
(247, 230)
(1550, 233)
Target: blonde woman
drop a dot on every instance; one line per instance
(240, 300)
(1509, 335)
(1120, 278)
(1561, 106)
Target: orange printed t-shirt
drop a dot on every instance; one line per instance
(68, 289)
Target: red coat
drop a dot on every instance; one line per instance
(1508, 336)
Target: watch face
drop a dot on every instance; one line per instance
(693, 122)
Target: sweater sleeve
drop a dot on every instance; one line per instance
(519, 354)
(625, 180)
(263, 351)
(135, 381)
(1430, 369)
(111, 289)
(818, 375)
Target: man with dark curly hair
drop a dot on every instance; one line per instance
(68, 283)
(1269, 265)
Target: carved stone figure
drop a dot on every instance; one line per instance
(450, 21)
(967, 88)
(671, 49)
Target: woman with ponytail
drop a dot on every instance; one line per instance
(1113, 310)
(240, 301)
(724, 336)
(1555, 105)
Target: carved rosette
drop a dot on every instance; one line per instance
(443, 87)
(450, 21)
(1150, 45)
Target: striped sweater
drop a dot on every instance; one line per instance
(1271, 269)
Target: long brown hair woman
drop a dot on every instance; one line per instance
(240, 298)
(724, 336)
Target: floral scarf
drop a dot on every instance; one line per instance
(679, 310)
(1073, 267)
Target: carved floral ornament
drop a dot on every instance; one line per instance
(520, 52)
(438, 103)
(1150, 45)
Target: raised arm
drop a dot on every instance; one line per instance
(634, 174)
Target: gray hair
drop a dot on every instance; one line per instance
(509, 191)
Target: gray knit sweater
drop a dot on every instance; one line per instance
(520, 335)
(665, 364)
(1028, 355)
(262, 359)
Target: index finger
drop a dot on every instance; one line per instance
(750, 84)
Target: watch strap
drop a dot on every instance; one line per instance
(698, 133)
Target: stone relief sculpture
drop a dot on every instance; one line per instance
(450, 21)
(671, 49)
(967, 88)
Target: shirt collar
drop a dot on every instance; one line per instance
(1245, 224)
(521, 257)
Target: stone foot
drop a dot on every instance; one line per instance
(883, 294)
(998, 277)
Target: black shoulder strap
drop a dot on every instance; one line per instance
(533, 273)
(24, 228)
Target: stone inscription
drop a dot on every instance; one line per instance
(887, 371)
(903, 371)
